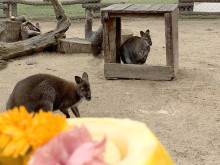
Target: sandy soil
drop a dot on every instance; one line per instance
(183, 113)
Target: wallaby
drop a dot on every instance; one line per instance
(136, 49)
(96, 37)
(48, 92)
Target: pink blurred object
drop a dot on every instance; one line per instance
(73, 147)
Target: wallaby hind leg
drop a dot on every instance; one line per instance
(45, 106)
(65, 111)
(75, 111)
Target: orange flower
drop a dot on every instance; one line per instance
(13, 126)
(21, 132)
(45, 126)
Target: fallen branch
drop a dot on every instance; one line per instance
(40, 42)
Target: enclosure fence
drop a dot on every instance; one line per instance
(75, 9)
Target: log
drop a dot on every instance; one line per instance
(74, 45)
(40, 42)
(133, 71)
(10, 31)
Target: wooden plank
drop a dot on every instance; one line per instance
(171, 34)
(142, 8)
(147, 15)
(3, 6)
(96, 5)
(132, 8)
(168, 7)
(111, 35)
(120, 7)
(118, 39)
(109, 8)
(7, 11)
(38, 3)
(109, 40)
(2, 16)
(110, 25)
(133, 71)
(154, 8)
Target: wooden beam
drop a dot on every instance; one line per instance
(142, 15)
(118, 39)
(3, 6)
(109, 40)
(97, 5)
(36, 3)
(14, 11)
(133, 71)
(171, 35)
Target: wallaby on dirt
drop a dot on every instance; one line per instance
(48, 92)
(136, 49)
(96, 37)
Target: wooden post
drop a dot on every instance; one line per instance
(171, 33)
(96, 10)
(6, 11)
(109, 29)
(118, 39)
(14, 11)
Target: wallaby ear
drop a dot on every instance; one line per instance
(141, 33)
(85, 76)
(147, 32)
(78, 80)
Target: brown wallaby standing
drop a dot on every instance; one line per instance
(136, 49)
(48, 92)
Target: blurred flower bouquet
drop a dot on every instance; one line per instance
(51, 139)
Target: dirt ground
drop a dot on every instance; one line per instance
(184, 113)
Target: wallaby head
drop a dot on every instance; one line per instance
(145, 37)
(83, 86)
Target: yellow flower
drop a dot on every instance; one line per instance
(13, 126)
(45, 126)
(20, 132)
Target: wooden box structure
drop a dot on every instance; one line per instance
(111, 19)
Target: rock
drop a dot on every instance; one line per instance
(31, 61)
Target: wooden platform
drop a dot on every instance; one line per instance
(111, 19)
(73, 45)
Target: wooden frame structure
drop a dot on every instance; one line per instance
(111, 19)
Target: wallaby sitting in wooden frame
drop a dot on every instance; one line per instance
(136, 49)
